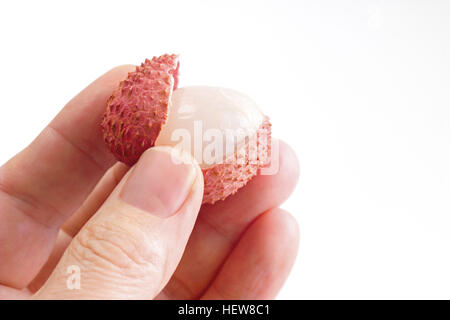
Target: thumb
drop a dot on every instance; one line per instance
(130, 248)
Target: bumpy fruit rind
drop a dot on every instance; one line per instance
(138, 108)
(224, 179)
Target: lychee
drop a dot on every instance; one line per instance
(223, 129)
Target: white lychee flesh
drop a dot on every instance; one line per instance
(210, 123)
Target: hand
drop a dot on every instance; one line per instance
(76, 224)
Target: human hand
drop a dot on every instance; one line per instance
(67, 206)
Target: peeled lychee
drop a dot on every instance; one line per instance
(223, 129)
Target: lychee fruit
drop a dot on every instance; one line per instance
(223, 129)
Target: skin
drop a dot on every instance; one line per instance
(63, 208)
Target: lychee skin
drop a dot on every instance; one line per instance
(138, 108)
(224, 179)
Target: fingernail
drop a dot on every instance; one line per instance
(159, 183)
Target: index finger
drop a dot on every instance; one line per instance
(45, 183)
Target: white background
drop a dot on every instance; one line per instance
(360, 89)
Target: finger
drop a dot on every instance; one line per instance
(131, 246)
(220, 226)
(261, 261)
(45, 183)
(7, 293)
(95, 200)
(62, 242)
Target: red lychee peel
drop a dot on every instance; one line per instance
(225, 179)
(138, 108)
